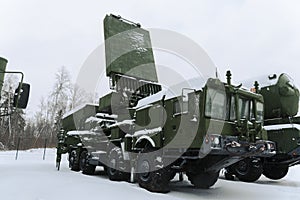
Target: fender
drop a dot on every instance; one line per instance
(147, 138)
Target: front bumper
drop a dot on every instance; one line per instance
(230, 150)
(230, 145)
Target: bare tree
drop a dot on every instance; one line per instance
(79, 96)
(59, 99)
(61, 92)
(51, 109)
(47, 120)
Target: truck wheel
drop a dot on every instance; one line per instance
(73, 161)
(248, 170)
(118, 169)
(275, 172)
(203, 180)
(151, 173)
(85, 167)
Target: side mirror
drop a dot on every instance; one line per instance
(21, 96)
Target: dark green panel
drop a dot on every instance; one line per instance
(75, 120)
(281, 99)
(105, 103)
(128, 49)
(286, 139)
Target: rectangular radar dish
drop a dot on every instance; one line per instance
(128, 49)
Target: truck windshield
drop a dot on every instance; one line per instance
(232, 116)
(215, 105)
(260, 111)
(247, 109)
(244, 108)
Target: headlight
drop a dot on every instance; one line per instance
(214, 140)
(272, 146)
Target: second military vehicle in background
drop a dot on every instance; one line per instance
(281, 97)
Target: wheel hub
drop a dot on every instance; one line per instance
(242, 167)
(145, 170)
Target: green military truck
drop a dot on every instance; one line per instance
(281, 99)
(179, 139)
(21, 95)
(157, 134)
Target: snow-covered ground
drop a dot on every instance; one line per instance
(32, 178)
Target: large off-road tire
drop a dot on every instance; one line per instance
(118, 168)
(247, 170)
(74, 161)
(275, 172)
(85, 167)
(203, 180)
(151, 173)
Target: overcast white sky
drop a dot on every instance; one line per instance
(250, 37)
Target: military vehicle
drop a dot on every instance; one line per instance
(281, 99)
(157, 134)
(21, 95)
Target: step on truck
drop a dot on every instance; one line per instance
(281, 100)
(157, 134)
